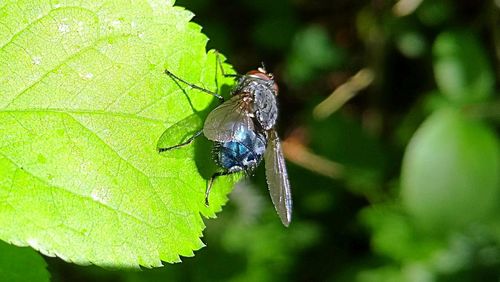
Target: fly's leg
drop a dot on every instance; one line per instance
(211, 181)
(187, 142)
(221, 66)
(194, 86)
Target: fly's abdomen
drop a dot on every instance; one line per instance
(245, 152)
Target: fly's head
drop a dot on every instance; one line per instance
(268, 77)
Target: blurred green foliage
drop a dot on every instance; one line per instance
(21, 264)
(418, 199)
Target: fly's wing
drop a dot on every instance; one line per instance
(224, 121)
(277, 178)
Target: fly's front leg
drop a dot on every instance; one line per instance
(187, 142)
(221, 66)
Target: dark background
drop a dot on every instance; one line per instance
(349, 223)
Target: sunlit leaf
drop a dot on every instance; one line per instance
(83, 103)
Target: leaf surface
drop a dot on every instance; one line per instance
(83, 103)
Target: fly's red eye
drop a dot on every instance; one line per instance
(259, 74)
(275, 88)
(265, 76)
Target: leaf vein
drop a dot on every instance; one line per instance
(89, 112)
(63, 62)
(19, 32)
(84, 197)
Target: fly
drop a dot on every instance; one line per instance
(243, 131)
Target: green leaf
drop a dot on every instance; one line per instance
(311, 52)
(21, 264)
(83, 103)
(394, 235)
(462, 70)
(391, 273)
(450, 172)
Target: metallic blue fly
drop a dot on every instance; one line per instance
(243, 131)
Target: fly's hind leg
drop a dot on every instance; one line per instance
(211, 181)
(187, 142)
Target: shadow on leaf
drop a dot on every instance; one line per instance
(184, 129)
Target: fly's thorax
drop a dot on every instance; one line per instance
(263, 95)
(265, 109)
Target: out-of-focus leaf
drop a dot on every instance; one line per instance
(435, 12)
(391, 273)
(381, 274)
(461, 67)
(274, 33)
(21, 264)
(350, 145)
(395, 236)
(268, 256)
(347, 142)
(412, 44)
(312, 51)
(450, 174)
